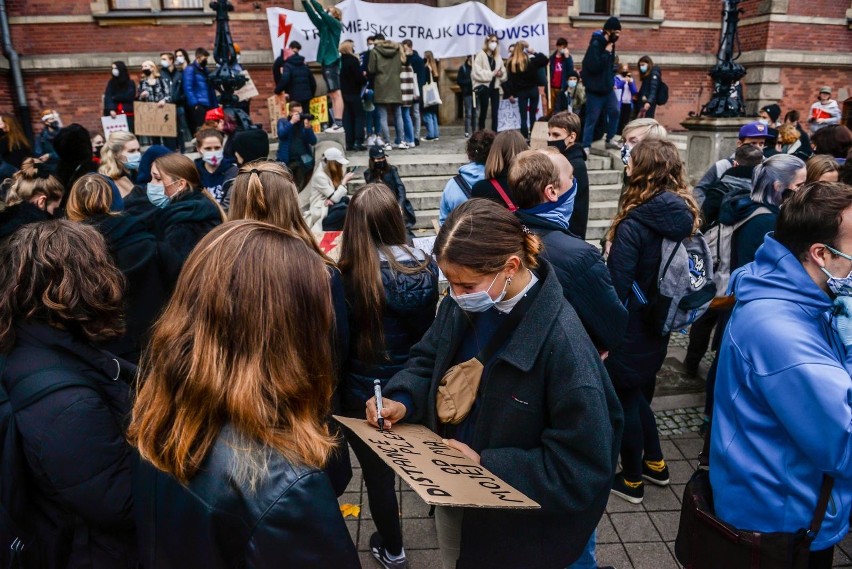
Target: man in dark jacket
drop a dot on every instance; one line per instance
(200, 96)
(296, 78)
(561, 63)
(563, 129)
(599, 78)
(419, 66)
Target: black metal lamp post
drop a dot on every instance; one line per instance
(227, 78)
(727, 98)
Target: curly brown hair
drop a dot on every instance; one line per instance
(60, 273)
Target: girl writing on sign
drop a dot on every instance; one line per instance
(545, 418)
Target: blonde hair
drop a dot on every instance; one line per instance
(432, 64)
(645, 129)
(111, 163)
(90, 195)
(33, 181)
(519, 59)
(818, 165)
(155, 73)
(487, 41)
(347, 47)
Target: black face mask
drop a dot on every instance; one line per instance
(203, 63)
(380, 164)
(146, 72)
(557, 144)
(98, 148)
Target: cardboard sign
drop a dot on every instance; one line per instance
(278, 107)
(440, 475)
(508, 116)
(247, 91)
(154, 120)
(329, 243)
(111, 125)
(319, 108)
(538, 137)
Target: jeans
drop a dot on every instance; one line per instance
(415, 119)
(489, 96)
(469, 114)
(528, 99)
(431, 119)
(587, 559)
(699, 339)
(640, 439)
(353, 121)
(597, 105)
(383, 119)
(448, 522)
(381, 493)
(404, 128)
(371, 120)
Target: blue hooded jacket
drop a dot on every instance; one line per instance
(453, 195)
(783, 412)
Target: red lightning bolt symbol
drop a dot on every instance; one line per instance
(283, 27)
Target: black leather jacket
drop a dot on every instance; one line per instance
(292, 518)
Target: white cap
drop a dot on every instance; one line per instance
(334, 154)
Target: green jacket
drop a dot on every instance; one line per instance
(329, 29)
(385, 66)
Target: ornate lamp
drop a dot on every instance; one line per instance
(727, 98)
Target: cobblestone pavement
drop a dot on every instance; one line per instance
(629, 536)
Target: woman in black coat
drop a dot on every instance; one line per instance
(546, 419)
(379, 171)
(523, 69)
(79, 501)
(392, 292)
(120, 93)
(150, 268)
(650, 89)
(656, 204)
(352, 81)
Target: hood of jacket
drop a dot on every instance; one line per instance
(777, 274)
(16, 216)
(128, 239)
(574, 152)
(472, 172)
(295, 60)
(406, 294)
(737, 203)
(667, 214)
(387, 49)
(190, 206)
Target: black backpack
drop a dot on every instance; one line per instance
(662, 93)
(17, 549)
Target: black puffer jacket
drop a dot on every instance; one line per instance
(410, 302)
(297, 80)
(151, 270)
(636, 256)
(185, 221)
(597, 70)
(586, 283)
(734, 181)
(73, 440)
(291, 519)
(392, 180)
(579, 222)
(651, 86)
(16, 216)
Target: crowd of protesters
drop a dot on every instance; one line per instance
(173, 340)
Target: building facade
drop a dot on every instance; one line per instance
(790, 48)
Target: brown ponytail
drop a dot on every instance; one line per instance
(481, 235)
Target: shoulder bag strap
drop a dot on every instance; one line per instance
(463, 185)
(822, 505)
(512, 207)
(39, 385)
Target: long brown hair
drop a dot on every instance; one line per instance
(655, 167)
(264, 191)
(505, 147)
(15, 137)
(257, 358)
(645, 59)
(90, 195)
(60, 273)
(179, 167)
(432, 64)
(373, 224)
(334, 169)
(481, 235)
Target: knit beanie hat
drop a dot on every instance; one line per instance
(612, 24)
(251, 144)
(774, 111)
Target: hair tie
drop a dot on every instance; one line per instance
(42, 170)
(526, 229)
(254, 171)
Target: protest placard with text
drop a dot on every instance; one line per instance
(114, 124)
(439, 474)
(151, 119)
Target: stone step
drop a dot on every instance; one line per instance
(596, 229)
(605, 210)
(605, 192)
(415, 165)
(412, 185)
(423, 201)
(604, 177)
(424, 219)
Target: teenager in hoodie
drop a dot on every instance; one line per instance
(651, 210)
(563, 132)
(782, 416)
(458, 189)
(296, 78)
(213, 166)
(824, 111)
(598, 74)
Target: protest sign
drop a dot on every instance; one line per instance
(329, 243)
(319, 108)
(452, 31)
(111, 125)
(277, 106)
(508, 116)
(247, 91)
(154, 120)
(440, 475)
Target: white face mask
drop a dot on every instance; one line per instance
(572, 83)
(115, 72)
(370, 47)
(763, 121)
(164, 63)
(563, 51)
(492, 46)
(214, 158)
(180, 60)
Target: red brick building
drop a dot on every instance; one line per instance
(789, 47)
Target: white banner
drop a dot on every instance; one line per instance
(429, 28)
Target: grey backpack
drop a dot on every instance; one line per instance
(719, 239)
(685, 285)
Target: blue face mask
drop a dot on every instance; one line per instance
(840, 286)
(479, 301)
(558, 212)
(132, 160)
(157, 194)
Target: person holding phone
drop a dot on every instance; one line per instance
(296, 140)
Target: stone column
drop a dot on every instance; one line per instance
(708, 140)
(763, 87)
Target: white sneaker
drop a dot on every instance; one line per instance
(334, 129)
(388, 147)
(371, 140)
(403, 145)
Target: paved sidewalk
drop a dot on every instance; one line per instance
(629, 536)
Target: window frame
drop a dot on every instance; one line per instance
(105, 10)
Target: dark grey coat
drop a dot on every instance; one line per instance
(549, 424)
